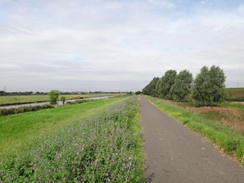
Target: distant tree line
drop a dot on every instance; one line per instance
(207, 88)
(3, 93)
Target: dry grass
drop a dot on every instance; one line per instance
(231, 117)
(236, 94)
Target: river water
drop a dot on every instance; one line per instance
(58, 102)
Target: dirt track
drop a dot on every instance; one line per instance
(176, 154)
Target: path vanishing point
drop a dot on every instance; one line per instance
(174, 153)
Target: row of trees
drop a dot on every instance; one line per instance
(207, 88)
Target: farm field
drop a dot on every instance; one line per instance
(103, 147)
(19, 129)
(227, 136)
(10, 100)
(235, 94)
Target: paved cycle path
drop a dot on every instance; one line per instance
(176, 154)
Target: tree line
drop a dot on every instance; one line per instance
(206, 89)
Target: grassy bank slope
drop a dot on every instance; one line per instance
(230, 140)
(19, 129)
(106, 147)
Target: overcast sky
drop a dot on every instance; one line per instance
(116, 45)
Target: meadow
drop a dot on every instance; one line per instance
(19, 129)
(23, 99)
(104, 147)
(235, 94)
(205, 120)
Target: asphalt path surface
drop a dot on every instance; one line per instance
(174, 153)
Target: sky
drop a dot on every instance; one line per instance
(116, 45)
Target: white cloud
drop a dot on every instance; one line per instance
(113, 41)
(240, 9)
(164, 3)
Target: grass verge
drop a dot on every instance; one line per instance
(104, 148)
(19, 129)
(230, 140)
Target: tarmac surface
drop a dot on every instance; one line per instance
(176, 154)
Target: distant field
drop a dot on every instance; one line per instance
(8, 100)
(19, 129)
(235, 94)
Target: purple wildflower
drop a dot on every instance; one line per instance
(129, 164)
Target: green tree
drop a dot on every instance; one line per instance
(158, 87)
(217, 82)
(182, 86)
(63, 100)
(150, 89)
(209, 86)
(138, 92)
(166, 84)
(53, 95)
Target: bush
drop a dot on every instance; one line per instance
(5, 112)
(53, 95)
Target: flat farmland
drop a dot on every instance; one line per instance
(235, 94)
(22, 99)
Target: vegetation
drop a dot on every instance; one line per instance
(228, 139)
(208, 88)
(63, 100)
(138, 92)
(182, 86)
(23, 99)
(25, 128)
(235, 94)
(53, 95)
(5, 112)
(103, 148)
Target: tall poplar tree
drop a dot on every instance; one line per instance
(209, 86)
(182, 86)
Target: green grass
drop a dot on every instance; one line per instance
(23, 128)
(233, 105)
(230, 140)
(10, 100)
(106, 147)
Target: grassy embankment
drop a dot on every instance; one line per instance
(19, 129)
(228, 139)
(12, 100)
(102, 148)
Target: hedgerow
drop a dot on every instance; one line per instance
(5, 112)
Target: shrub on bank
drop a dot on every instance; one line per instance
(5, 112)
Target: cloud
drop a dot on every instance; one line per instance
(113, 41)
(164, 3)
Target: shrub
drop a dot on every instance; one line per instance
(5, 112)
(53, 95)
